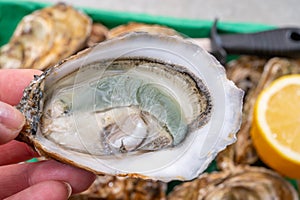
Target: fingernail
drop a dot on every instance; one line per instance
(11, 120)
(69, 188)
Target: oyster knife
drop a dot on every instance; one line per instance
(282, 42)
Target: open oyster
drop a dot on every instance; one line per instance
(45, 37)
(140, 105)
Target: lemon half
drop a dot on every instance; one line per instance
(276, 125)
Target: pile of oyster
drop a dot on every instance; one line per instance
(141, 107)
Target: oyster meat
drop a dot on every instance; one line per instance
(45, 37)
(140, 105)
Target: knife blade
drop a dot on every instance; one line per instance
(282, 42)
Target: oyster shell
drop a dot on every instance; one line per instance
(41, 38)
(140, 105)
(140, 27)
(242, 183)
(98, 34)
(121, 188)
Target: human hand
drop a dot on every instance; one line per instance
(41, 180)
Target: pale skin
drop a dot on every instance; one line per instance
(45, 180)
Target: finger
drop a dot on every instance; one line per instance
(11, 122)
(48, 190)
(13, 82)
(15, 152)
(17, 177)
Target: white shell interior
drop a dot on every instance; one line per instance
(185, 161)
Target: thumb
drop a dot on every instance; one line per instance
(11, 122)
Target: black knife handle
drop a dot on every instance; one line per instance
(283, 42)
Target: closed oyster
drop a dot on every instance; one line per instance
(255, 183)
(98, 34)
(45, 37)
(140, 105)
(140, 27)
(121, 188)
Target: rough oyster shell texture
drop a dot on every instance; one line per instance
(120, 188)
(45, 37)
(140, 27)
(98, 34)
(140, 105)
(242, 183)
